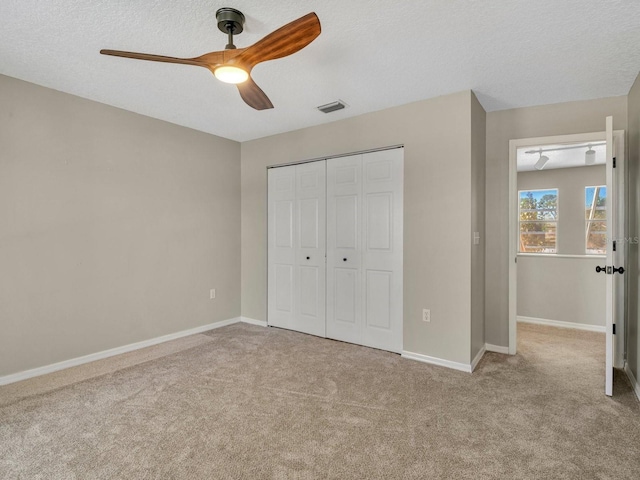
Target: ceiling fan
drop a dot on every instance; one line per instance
(234, 65)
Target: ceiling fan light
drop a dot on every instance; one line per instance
(590, 157)
(542, 161)
(230, 74)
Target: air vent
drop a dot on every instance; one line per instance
(332, 107)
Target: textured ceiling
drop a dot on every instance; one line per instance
(373, 54)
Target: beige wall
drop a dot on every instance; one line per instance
(113, 227)
(633, 259)
(502, 126)
(563, 289)
(436, 134)
(478, 183)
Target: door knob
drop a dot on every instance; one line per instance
(610, 271)
(344, 259)
(308, 258)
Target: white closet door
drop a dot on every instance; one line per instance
(344, 249)
(310, 252)
(364, 249)
(382, 228)
(296, 244)
(281, 247)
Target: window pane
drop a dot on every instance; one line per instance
(538, 216)
(597, 237)
(538, 237)
(596, 215)
(596, 202)
(540, 200)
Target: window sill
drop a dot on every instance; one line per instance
(558, 255)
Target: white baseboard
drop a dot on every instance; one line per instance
(478, 357)
(252, 321)
(36, 372)
(632, 379)
(558, 323)
(496, 349)
(437, 361)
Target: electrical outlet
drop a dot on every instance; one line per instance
(212, 294)
(426, 315)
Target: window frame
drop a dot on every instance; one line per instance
(556, 221)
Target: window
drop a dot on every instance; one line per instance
(596, 220)
(538, 220)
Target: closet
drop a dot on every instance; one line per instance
(335, 236)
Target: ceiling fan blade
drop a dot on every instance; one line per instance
(286, 40)
(253, 95)
(203, 61)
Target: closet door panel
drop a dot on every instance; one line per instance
(382, 250)
(283, 224)
(310, 232)
(281, 247)
(378, 299)
(344, 249)
(379, 207)
(309, 210)
(309, 286)
(346, 222)
(345, 293)
(283, 289)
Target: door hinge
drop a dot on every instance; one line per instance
(614, 245)
(614, 328)
(614, 162)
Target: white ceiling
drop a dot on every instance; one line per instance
(373, 54)
(560, 158)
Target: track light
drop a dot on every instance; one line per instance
(542, 161)
(589, 155)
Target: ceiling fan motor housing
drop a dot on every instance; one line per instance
(230, 20)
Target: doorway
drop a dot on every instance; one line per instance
(557, 233)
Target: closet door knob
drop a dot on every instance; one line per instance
(344, 259)
(308, 258)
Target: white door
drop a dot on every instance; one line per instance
(296, 247)
(364, 249)
(612, 267)
(310, 248)
(382, 236)
(281, 248)
(344, 249)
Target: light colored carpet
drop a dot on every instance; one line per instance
(251, 402)
(68, 376)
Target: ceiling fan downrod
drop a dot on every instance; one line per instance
(230, 45)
